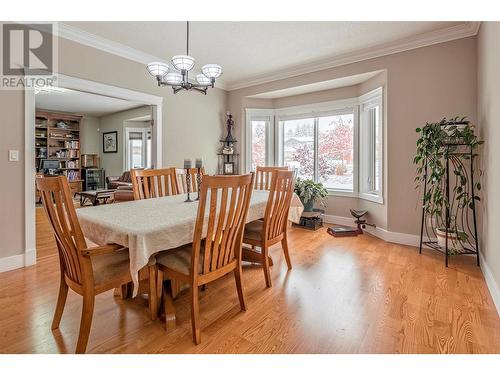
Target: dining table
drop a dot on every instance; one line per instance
(149, 226)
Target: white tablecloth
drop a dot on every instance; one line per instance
(152, 225)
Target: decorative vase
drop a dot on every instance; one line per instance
(308, 207)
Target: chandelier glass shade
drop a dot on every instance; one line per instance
(183, 62)
(173, 78)
(203, 80)
(212, 70)
(157, 69)
(178, 77)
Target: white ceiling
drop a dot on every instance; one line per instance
(318, 86)
(83, 103)
(247, 50)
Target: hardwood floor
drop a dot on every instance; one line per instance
(343, 295)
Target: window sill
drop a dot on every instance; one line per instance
(342, 193)
(372, 198)
(352, 194)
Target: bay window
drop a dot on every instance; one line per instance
(338, 143)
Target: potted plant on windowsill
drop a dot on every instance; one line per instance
(310, 192)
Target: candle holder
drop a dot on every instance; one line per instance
(198, 180)
(188, 186)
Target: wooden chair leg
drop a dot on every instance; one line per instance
(284, 244)
(61, 301)
(265, 266)
(176, 288)
(86, 322)
(168, 304)
(153, 297)
(239, 288)
(195, 314)
(124, 291)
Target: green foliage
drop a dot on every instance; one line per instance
(432, 153)
(310, 191)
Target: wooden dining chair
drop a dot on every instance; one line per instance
(153, 183)
(180, 174)
(87, 271)
(273, 229)
(264, 175)
(222, 212)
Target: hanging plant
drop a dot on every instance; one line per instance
(438, 142)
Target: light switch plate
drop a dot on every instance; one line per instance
(13, 155)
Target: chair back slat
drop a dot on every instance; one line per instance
(264, 176)
(153, 183)
(60, 210)
(226, 198)
(180, 174)
(278, 204)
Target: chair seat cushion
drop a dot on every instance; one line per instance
(110, 266)
(179, 259)
(253, 230)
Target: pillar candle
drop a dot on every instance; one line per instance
(199, 163)
(188, 163)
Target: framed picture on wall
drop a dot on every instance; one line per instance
(110, 142)
(229, 168)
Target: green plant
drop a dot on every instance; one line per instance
(310, 191)
(440, 141)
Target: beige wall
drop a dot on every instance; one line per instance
(90, 140)
(12, 174)
(489, 130)
(192, 126)
(424, 84)
(113, 162)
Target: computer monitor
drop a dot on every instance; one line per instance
(49, 167)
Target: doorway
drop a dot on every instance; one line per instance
(152, 151)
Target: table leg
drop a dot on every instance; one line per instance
(250, 255)
(153, 297)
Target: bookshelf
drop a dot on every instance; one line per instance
(57, 137)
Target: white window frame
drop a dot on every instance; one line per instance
(275, 136)
(144, 132)
(325, 109)
(266, 115)
(367, 102)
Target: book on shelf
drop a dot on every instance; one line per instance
(72, 144)
(71, 175)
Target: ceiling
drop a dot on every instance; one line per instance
(248, 50)
(318, 86)
(83, 103)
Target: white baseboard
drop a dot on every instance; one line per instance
(491, 283)
(414, 240)
(18, 261)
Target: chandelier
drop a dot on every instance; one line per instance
(178, 79)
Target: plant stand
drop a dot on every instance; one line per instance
(310, 220)
(456, 155)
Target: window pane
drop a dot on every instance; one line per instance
(298, 146)
(336, 151)
(258, 143)
(136, 153)
(377, 147)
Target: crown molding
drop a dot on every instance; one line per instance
(460, 31)
(103, 44)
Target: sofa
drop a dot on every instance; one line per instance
(113, 182)
(122, 186)
(123, 194)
